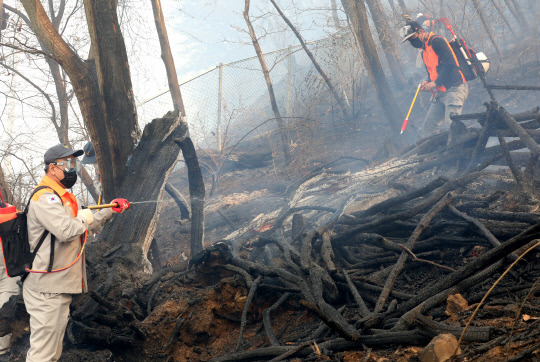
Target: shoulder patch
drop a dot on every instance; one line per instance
(51, 199)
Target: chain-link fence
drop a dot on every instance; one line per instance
(228, 102)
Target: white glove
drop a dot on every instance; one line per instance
(97, 186)
(87, 214)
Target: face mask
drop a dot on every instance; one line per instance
(417, 43)
(70, 177)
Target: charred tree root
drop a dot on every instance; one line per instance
(268, 323)
(175, 333)
(251, 294)
(364, 311)
(337, 344)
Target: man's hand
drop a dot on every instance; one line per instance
(123, 204)
(427, 86)
(87, 214)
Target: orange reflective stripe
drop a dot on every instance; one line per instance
(68, 198)
(431, 60)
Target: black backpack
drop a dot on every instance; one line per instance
(469, 62)
(14, 240)
(470, 66)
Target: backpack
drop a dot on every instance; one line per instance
(470, 62)
(14, 239)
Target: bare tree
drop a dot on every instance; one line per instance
(266, 73)
(393, 7)
(503, 16)
(403, 7)
(484, 21)
(519, 17)
(335, 16)
(196, 182)
(344, 108)
(356, 11)
(388, 45)
(103, 88)
(61, 126)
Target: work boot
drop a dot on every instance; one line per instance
(457, 130)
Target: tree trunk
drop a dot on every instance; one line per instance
(357, 13)
(2, 17)
(197, 194)
(393, 7)
(167, 57)
(442, 12)
(335, 17)
(519, 12)
(403, 7)
(273, 102)
(344, 108)
(486, 26)
(196, 183)
(116, 91)
(388, 45)
(516, 15)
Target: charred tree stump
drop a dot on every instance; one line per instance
(134, 230)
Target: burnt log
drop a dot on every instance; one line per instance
(410, 244)
(480, 263)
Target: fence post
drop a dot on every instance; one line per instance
(219, 107)
(289, 82)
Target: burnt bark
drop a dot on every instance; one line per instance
(197, 193)
(146, 178)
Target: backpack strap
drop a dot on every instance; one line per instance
(430, 40)
(51, 256)
(46, 232)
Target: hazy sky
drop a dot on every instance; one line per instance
(204, 33)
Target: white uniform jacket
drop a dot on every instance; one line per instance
(46, 212)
